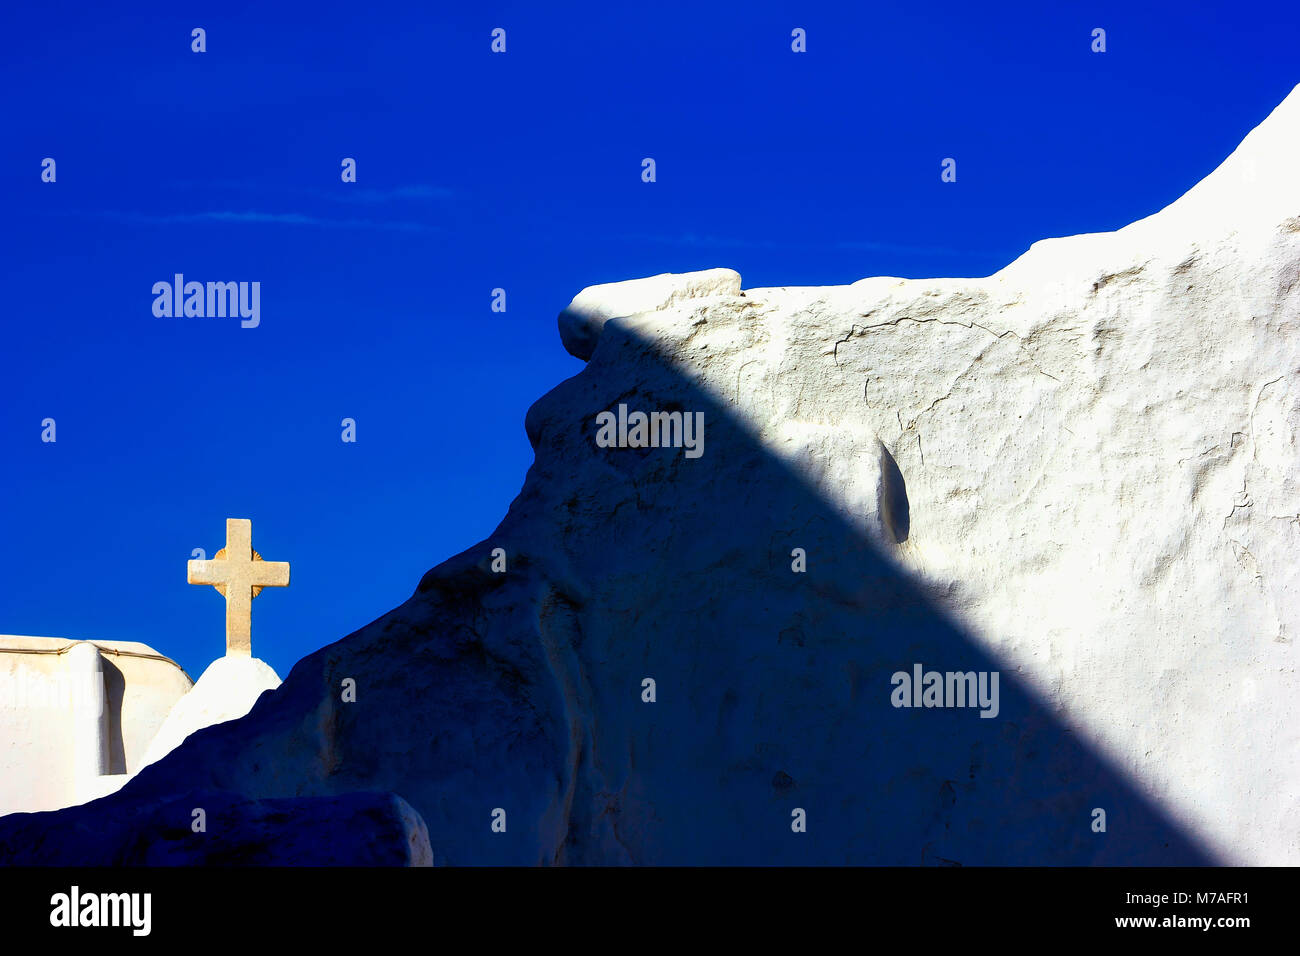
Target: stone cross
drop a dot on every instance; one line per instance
(239, 573)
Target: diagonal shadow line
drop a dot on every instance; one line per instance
(521, 690)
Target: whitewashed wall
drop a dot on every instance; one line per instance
(74, 724)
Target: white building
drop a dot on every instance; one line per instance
(79, 718)
(76, 717)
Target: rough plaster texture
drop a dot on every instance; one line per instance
(349, 829)
(1079, 472)
(225, 691)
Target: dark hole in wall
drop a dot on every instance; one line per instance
(114, 691)
(894, 510)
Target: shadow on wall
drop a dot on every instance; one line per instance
(524, 691)
(895, 513)
(115, 692)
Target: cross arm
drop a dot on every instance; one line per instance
(205, 572)
(271, 574)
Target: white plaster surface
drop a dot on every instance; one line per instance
(39, 694)
(225, 691)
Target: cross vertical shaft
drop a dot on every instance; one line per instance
(239, 573)
(239, 588)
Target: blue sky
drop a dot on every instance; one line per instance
(477, 171)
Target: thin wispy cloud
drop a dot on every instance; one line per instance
(343, 192)
(397, 194)
(869, 246)
(736, 242)
(262, 217)
(693, 239)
